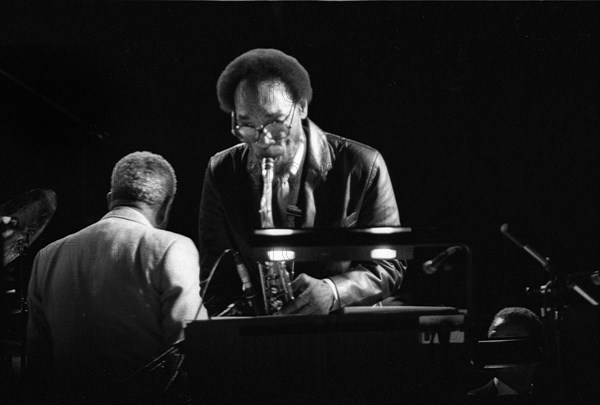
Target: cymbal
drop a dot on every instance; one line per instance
(30, 212)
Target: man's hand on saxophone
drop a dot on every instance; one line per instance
(313, 297)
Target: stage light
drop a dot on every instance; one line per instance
(385, 230)
(383, 253)
(275, 232)
(279, 254)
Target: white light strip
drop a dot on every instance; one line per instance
(275, 232)
(385, 230)
(279, 254)
(383, 253)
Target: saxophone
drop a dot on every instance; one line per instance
(275, 278)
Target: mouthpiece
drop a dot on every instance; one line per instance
(267, 163)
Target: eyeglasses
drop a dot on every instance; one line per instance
(276, 130)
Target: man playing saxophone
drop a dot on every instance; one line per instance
(319, 180)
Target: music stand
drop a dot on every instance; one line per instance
(339, 244)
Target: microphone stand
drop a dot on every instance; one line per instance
(551, 293)
(558, 278)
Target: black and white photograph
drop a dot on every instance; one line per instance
(325, 202)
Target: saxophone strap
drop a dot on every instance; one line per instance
(294, 215)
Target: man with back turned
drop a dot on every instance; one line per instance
(105, 301)
(320, 180)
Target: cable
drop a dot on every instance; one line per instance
(157, 362)
(207, 281)
(176, 372)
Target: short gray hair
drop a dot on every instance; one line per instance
(144, 177)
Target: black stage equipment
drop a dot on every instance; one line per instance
(327, 244)
(501, 353)
(361, 355)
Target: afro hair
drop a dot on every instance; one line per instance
(263, 64)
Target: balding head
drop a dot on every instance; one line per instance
(515, 322)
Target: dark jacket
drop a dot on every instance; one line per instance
(344, 184)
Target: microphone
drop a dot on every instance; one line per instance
(432, 266)
(247, 287)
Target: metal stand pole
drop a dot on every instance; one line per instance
(552, 305)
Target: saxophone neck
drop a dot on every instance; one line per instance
(266, 214)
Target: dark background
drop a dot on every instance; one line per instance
(486, 113)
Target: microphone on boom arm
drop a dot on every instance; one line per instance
(433, 265)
